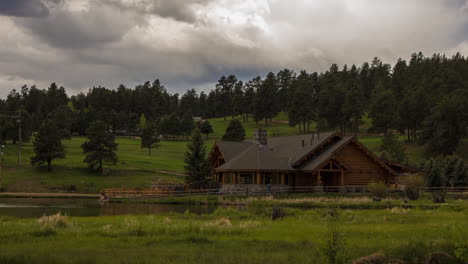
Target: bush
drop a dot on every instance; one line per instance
(412, 185)
(439, 196)
(277, 213)
(50, 222)
(335, 238)
(378, 190)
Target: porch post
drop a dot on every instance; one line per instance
(282, 178)
(342, 178)
(259, 177)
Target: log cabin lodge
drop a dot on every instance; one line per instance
(322, 159)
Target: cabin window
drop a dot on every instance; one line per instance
(245, 178)
(228, 178)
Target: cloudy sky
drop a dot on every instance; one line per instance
(190, 43)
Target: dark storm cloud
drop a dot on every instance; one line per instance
(191, 43)
(23, 8)
(75, 30)
(180, 10)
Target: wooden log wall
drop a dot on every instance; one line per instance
(362, 169)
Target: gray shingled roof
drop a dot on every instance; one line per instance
(327, 154)
(230, 149)
(280, 153)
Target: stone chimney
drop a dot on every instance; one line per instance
(260, 137)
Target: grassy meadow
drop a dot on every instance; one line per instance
(229, 235)
(135, 168)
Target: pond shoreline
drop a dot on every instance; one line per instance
(48, 195)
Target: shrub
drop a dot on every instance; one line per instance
(412, 185)
(461, 251)
(224, 222)
(48, 222)
(133, 226)
(378, 190)
(335, 238)
(277, 212)
(439, 196)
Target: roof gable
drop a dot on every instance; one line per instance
(304, 152)
(230, 149)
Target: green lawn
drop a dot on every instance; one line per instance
(232, 236)
(135, 168)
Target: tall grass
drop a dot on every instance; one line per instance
(231, 235)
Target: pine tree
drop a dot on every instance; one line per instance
(150, 137)
(47, 145)
(434, 177)
(187, 124)
(235, 131)
(206, 128)
(100, 146)
(142, 122)
(392, 149)
(302, 107)
(444, 127)
(266, 105)
(461, 175)
(197, 167)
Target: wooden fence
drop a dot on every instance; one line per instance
(114, 193)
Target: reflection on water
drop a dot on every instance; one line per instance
(36, 207)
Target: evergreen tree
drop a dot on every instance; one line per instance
(238, 98)
(392, 149)
(170, 125)
(266, 105)
(235, 131)
(197, 167)
(461, 173)
(142, 122)
(224, 90)
(62, 116)
(249, 96)
(446, 171)
(434, 174)
(285, 79)
(187, 124)
(206, 128)
(100, 146)
(189, 103)
(302, 108)
(444, 127)
(383, 110)
(47, 145)
(150, 137)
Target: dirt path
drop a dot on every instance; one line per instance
(176, 173)
(47, 195)
(281, 121)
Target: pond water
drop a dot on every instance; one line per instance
(36, 207)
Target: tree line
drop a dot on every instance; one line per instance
(423, 98)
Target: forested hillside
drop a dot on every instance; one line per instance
(425, 99)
